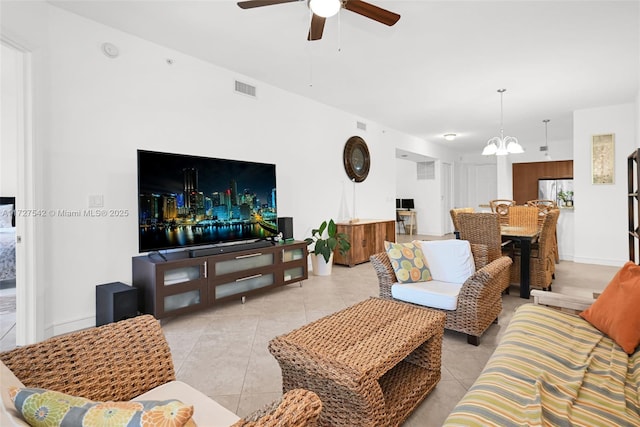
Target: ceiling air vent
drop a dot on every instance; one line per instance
(245, 89)
(362, 126)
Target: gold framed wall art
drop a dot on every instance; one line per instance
(602, 159)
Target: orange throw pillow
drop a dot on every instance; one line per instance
(615, 312)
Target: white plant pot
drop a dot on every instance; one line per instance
(320, 266)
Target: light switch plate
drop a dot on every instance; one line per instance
(96, 201)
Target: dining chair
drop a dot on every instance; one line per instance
(544, 206)
(454, 217)
(542, 262)
(482, 228)
(523, 216)
(400, 221)
(501, 207)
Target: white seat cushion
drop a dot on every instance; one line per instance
(449, 260)
(206, 411)
(435, 293)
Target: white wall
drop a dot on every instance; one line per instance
(93, 113)
(426, 195)
(601, 210)
(8, 140)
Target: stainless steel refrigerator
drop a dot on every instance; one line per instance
(548, 189)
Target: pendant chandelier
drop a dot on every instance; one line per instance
(502, 145)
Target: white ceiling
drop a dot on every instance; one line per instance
(436, 71)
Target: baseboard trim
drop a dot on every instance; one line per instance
(72, 326)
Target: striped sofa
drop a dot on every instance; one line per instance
(553, 369)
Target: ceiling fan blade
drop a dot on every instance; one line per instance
(249, 4)
(371, 11)
(316, 28)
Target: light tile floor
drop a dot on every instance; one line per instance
(223, 352)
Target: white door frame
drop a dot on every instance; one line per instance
(26, 261)
(447, 197)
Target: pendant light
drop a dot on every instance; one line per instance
(502, 145)
(547, 155)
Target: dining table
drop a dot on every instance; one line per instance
(525, 236)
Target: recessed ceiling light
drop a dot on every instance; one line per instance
(450, 136)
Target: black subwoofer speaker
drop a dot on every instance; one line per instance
(115, 301)
(285, 226)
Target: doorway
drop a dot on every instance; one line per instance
(19, 326)
(447, 197)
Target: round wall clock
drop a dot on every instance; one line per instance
(356, 159)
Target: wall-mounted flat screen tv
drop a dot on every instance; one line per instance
(186, 201)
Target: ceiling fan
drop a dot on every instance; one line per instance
(320, 14)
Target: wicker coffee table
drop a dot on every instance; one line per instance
(371, 364)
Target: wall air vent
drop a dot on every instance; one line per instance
(362, 126)
(426, 170)
(245, 89)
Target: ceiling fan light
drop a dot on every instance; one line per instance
(325, 8)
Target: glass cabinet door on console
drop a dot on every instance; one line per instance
(237, 274)
(294, 260)
(171, 287)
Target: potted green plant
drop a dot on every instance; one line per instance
(326, 240)
(566, 197)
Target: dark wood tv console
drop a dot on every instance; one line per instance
(182, 284)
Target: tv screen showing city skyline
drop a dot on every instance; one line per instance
(188, 200)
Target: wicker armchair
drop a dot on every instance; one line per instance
(479, 301)
(120, 361)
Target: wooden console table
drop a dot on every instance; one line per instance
(367, 237)
(371, 364)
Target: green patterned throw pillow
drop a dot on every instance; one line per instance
(46, 408)
(408, 262)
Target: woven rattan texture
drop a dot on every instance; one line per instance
(482, 228)
(297, 408)
(542, 265)
(356, 361)
(523, 216)
(501, 207)
(454, 215)
(480, 298)
(117, 361)
(543, 210)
